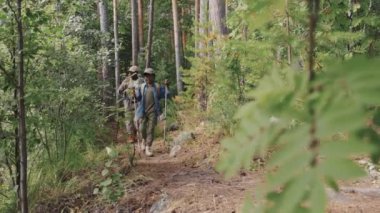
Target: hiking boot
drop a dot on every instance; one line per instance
(148, 151)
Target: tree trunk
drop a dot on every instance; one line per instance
(218, 17)
(203, 18)
(21, 109)
(203, 33)
(226, 8)
(141, 23)
(177, 46)
(135, 36)
(288, 32)
(104, 29)
(116, 42)
(148, 62)
(17, 149)
(196, 27)
(16, 115)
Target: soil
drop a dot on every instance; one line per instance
(189, 183)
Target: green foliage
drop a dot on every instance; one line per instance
(111, 187)
(63, 107)
(343, 93)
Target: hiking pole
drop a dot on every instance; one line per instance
(137, 127)
(166, 97)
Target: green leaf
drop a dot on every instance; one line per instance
(340, 169)
(318, 198)
(106, 183)
(340, 118)
(290, 169)
(111, 152)
(96, 191)
(332, 183)
(108, 163)
(248, 204)
(294, 193)
(105, 172)
(344, 149)
(293, 145)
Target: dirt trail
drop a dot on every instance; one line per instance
(189, 183)
(183, 184)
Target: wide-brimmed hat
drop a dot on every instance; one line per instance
(134, 68)
(148, 71)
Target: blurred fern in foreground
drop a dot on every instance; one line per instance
(345, 100)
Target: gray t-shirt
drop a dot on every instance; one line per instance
(149, 99)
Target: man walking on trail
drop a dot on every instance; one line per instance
(148, 109)
(127, 89)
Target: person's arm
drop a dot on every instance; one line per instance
(122, 86)
(138, 94)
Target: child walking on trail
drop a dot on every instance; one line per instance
(148, 109)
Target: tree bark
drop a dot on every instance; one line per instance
(22, 116)
(226, 8)
(183, 31)
(116, 42)
(196, 27)
(177, 46)
(135, 36)
(17, 148)
(104, 29)
(288, 32)
(141, 23)
(148, 62)
(203, 32)
(218, 17)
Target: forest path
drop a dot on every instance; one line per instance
(189, 183)
(186, 183)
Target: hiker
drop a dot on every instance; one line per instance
(148, 110)
(127, 89)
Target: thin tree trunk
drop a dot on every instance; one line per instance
(16, 115)
(288, 32)
(177, 46)
(141, 23)
(104, 28)
(203, 18)
(22, 116)
(183, 32)
(116, 42)
(17, 148)
(135, 36)
(148, 62)
(203, 33)
(196, 27)
(313, 20)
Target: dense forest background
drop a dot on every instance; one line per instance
(296, 78)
